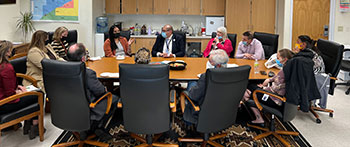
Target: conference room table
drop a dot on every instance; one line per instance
(194, 67)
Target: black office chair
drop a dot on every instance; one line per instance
(269, 42)
(224, 90)
(286, 114)
(345, 66)
(125, 34)
(70, 108)
(144, 91)
(233, 39)
(20, 66)
(72, 36)
(183, 34)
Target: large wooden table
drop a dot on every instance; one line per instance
(194, 67)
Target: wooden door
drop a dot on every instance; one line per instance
(237, 17)
(129, 6)
(161, 7)
(263, 16)
(213, 7)
(193, 7)
(112, 6)
(309, 18)
(177, 7)
(145, 6)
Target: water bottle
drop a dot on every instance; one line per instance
(137, 29)
(256, 66)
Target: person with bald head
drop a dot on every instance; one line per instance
(168, 44)
(94, 90)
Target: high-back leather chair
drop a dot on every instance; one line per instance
(269, 42)
(287, 113)
(65, 85)
(125, 34)
(183, 35)
(20, 66)
(332, 55)
(144, 91)
(345, 66)
(72, 36)
(224, 90)
(233, 39)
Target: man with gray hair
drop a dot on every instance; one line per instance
(196, 90)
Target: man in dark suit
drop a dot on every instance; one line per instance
(169, 44)
(196, 90)
(95, 89)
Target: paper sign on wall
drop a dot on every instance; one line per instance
(344, 5)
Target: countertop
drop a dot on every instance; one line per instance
(154, 36)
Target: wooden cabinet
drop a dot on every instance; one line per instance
(177, 7)
(160, 7)
(214, 7)
(129, 6)
(193, 7)
(142, 42)
(250, 15)
(112, 6)
(144, 6)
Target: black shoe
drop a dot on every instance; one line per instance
(34, 131)
(103, 135)
(26, 127)
(258, 124)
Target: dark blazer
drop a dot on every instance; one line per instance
(178, 46)
(196, 94)
(300, 80)
(94, 91)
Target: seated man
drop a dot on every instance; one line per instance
(168, 44)
(196, 90)
(250, 48)
(95, 90)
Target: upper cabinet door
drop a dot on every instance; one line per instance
(161, 7)
(213, 7)
(145, 6)
(177, 7)
(193, 7)
(263, 16)
(129, 6)
(237, 17)
(112, 6)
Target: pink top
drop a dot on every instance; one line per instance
(226, 47)
(255, 48)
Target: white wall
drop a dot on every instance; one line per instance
(342, 20)
(8, 14)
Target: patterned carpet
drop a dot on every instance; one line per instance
(237, 135)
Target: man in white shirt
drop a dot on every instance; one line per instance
(168, 44)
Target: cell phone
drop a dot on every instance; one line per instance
(263, 72)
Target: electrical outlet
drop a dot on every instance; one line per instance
(340, 28)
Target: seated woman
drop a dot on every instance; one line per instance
(59, 43)
(306, 44)
(142, 56)
(39, 49)
(9, 87)
(219, 42)
(277, 86)
(116, 45)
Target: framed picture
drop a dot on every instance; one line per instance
(7, 1)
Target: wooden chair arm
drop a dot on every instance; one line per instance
(333, 78)
(109, 102)
(21, 95)
(29, 78)
(255, 98)
(120, 104)
(172, 97)
(182, 99)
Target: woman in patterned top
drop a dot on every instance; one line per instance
(304, 42)
(59, 43)
(277, 86)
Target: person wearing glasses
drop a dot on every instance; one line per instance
(219, 42)
(168, 44)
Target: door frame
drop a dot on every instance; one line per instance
(331, 21)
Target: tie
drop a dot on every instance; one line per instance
(167, 45)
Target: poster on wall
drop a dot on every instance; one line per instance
(344, 5)
(55, 10)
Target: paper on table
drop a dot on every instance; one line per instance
(95, 58)
(32, 88)
(109, 74)
(232, 65)
(166, 61)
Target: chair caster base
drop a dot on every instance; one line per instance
(330, 114)
(318, 121)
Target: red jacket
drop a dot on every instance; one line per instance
(8, 83)
(227, 47)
